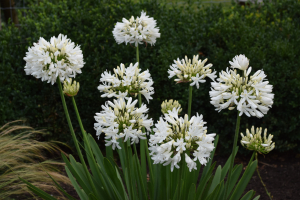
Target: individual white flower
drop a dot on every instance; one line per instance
(254, 142)
(169, 105)
(251, 95)
(139, 30)
(126, 81)
(71, 88)
(174, 135)
(58, 58)
(240, 62)
(191, 71)
(121, 119)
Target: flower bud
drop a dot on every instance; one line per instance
(254, 142)
(71, 89)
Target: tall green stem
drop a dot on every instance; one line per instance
(85, 139)
(269, 194)
(190, 101)
(74, 136)
(237, 129)
(143, 143)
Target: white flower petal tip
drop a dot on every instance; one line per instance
(58, 58)
(136, 30)
(191, 71)
(174, 136)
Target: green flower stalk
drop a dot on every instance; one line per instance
(254, 142)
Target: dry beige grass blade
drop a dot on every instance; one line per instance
(23, 156)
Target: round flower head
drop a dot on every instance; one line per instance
(252, 95)
(58, 58)
(71, 89)
(126, 81)
(240, 62)
(254, 142)
(169, 105)
(175, 135)
(139, 30)
(191, 71)
(120, 119)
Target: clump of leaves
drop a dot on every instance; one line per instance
(23, 156)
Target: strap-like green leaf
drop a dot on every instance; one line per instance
(113, 179)
(203, 181)
(192, 192)
(239, 190)
(236, 172)
(216, 179)
(61, 189)
(81, 193)
(227, 164)
(256, 198)
(76, 175)
(216, 192)
(38, 191)
(248, 195)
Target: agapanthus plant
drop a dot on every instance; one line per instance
(175, 135)
(191, 71)
(58, 58)
(250, 95)
(136, 30)
(126, 80)
(121, 119)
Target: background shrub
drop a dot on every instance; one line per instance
(267, 35)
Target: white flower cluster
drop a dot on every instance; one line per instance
(122, 120)
(254, 142)
(174, 136)
(126, 81)
(191, 71)
(139, 30)
(167, 106)
(58, 58)
(71, 88)
(252, 95)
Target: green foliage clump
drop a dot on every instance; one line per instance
(267, 34)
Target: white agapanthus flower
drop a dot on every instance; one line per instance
(191, 71)
(250, 95)
(121, 119)
(254, 142)
(139, 30)
(126, 81)
(175, 135)
(58, 58)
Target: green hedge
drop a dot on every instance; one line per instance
(268, 35)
